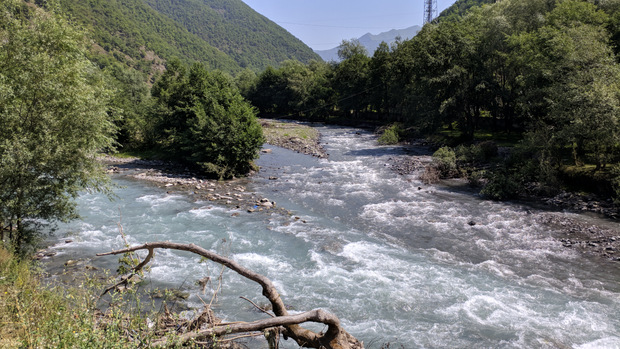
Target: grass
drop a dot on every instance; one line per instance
(274, 130)
(33, 315)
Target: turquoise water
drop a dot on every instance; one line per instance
(396, 263)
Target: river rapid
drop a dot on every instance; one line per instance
(398, 261)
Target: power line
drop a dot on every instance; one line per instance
(332, 26)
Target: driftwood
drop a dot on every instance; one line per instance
(334, 338)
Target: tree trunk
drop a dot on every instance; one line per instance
(334, 338)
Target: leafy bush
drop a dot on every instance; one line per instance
(391, 135)
(615, 182)
(444, 160)
(476, 178)
(477, 153)
(502, 186)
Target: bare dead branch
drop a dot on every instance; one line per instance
(334, 338)
(317, 315)
(257, 307)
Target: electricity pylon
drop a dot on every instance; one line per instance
(430, 10)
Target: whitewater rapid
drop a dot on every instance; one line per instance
(398, 261)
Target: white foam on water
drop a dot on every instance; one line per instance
(157, 200)
(611, 342)
(395, 263)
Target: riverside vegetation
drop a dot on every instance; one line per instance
(538, 76)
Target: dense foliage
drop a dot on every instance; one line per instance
(234, 28)
(221, 34)
(53, 105)
(543, 71)
(202, 119)
(131, 32)
(59, 110)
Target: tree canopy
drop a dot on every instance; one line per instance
(53, 107)
(202, 119)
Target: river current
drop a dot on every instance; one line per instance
(398, 261)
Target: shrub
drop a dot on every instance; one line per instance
(615, 183)
(487, 150)
(476, 178)
(444, 160)
(391, 135)
(477, 153)
(204, 121)
(502, 186)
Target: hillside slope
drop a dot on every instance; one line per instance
(233, 27)
(127, 30)
(223, 34)
(460, 7)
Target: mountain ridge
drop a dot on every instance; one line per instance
(372, 41)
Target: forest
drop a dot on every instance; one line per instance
(539, 76)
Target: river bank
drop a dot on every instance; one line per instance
(304, 139)
(393, 257)
(175, 177)
(589, 239)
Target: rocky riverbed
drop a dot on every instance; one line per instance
(589, 239)
(294, 136)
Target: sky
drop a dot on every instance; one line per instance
(323, 24)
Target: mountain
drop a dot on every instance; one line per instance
(234, 28)
(371, 42)
(222, 34)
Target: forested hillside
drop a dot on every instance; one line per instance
(222, 34)
(67, 94)
(126, 30)
(251, 39)
(460, 7)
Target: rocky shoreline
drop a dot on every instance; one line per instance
(589, 239)
(293, 136)
(232, 193)
(176, 178)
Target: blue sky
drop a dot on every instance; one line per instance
(323, 24)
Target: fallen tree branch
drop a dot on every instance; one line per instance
(317, 315)
(334, 338)
(257, 307)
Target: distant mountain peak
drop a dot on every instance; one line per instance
(372, 41)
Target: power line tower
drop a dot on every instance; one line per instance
(430, 10)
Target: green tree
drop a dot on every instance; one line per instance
(130, 105)
(571, 83)
(380, 70)
(203, 120)
(351, 77)
(53, 118)
(269, 92)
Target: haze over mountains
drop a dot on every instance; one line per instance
(371, 42)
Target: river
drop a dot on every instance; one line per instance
(398, 261)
